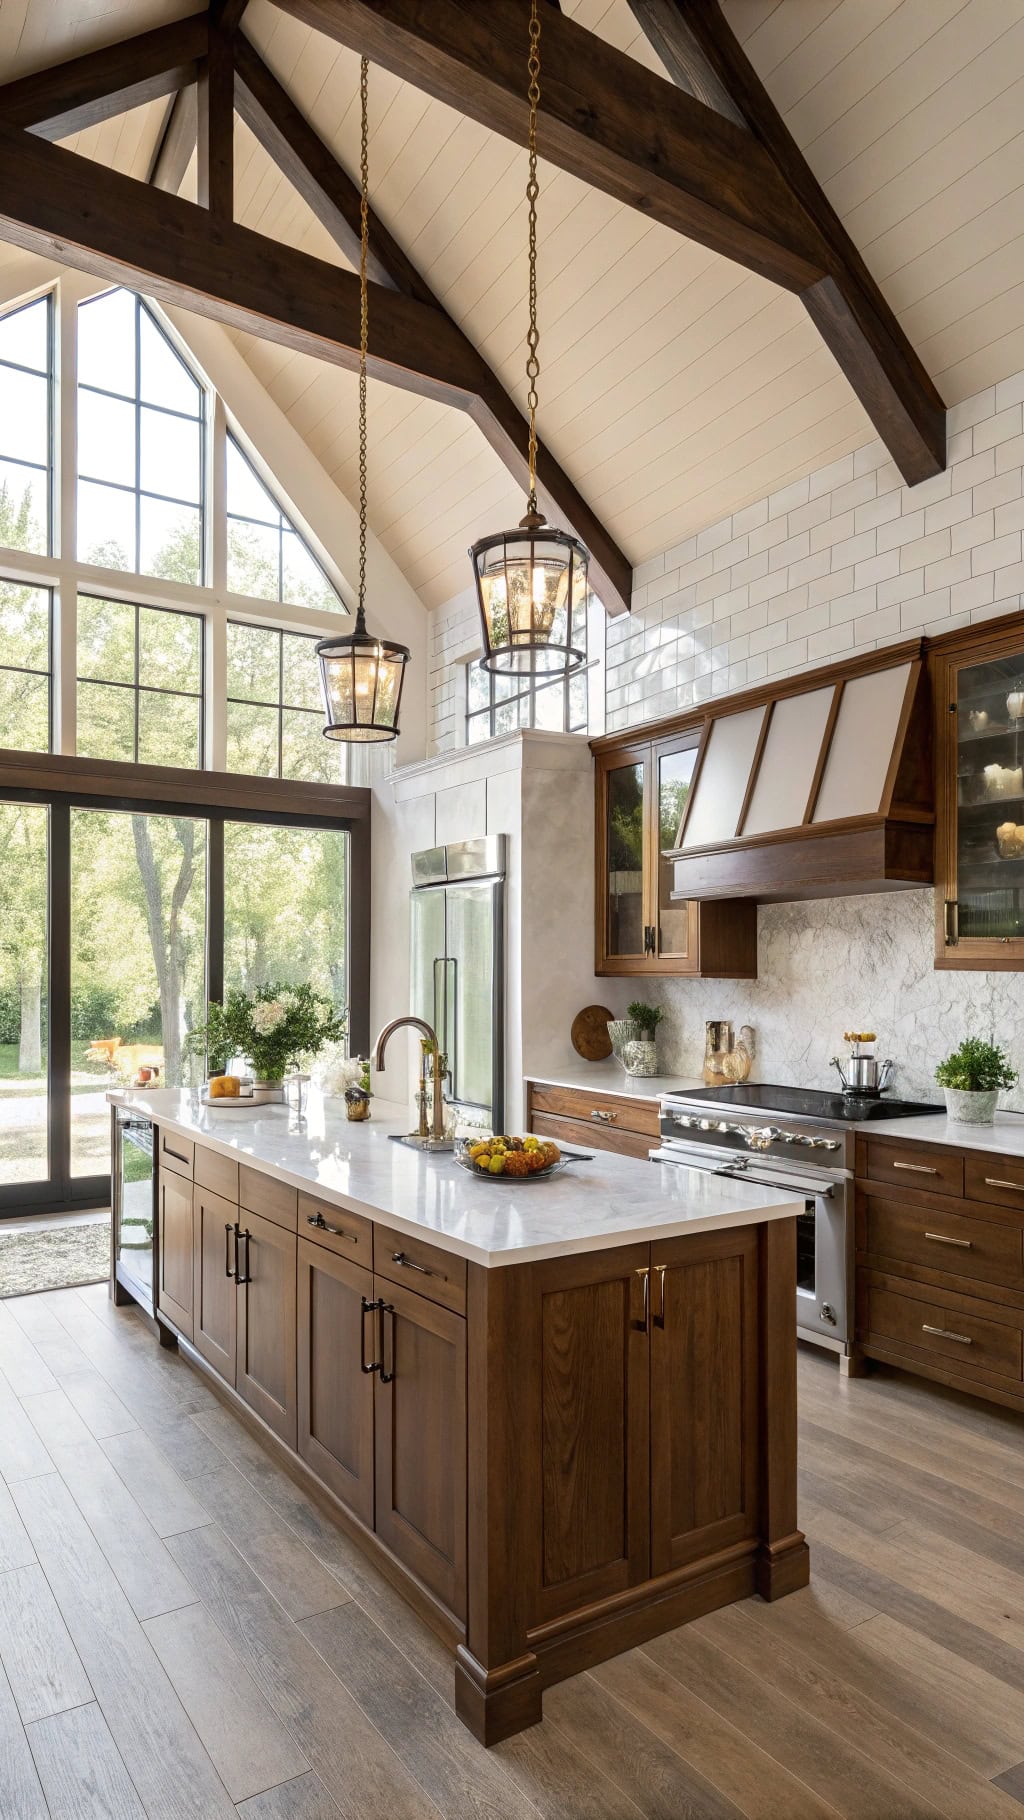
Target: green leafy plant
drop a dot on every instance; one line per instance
(647, 1016)
(976, 1067)
(273, 1026)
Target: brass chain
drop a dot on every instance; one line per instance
(533, 337)
(364, 242)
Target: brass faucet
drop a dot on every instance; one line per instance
(432, 1045)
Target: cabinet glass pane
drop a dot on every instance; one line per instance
(790, 753)
(990, 798)
(722, 784)
(675, 774)
(862, 743)
(625, 910)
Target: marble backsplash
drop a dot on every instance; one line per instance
(839, 964)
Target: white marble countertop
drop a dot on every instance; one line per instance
(609, 1200)
(608, 1077)
(1004, 1138)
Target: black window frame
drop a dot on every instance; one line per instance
(139, 688)
(284, 527)
(138, 491)
(37, 587)
(280, 706)
(533, 684)
(51, 406)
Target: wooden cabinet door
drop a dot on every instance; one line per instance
(979, 872)
(420, 1443)
(589, 1345)
(265, 1368)
(175, 1292)
(216, 1298)
(335, 1432)
(704, 1408)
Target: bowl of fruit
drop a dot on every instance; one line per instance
(510, 1159)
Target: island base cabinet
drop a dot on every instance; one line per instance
(265, 1360)
(215, 1232)
(632, 1455)
(337, 1333)
(420, 1440)
(176, 1245)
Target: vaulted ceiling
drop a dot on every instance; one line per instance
(675, 386)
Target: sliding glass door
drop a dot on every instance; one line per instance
(138, 961)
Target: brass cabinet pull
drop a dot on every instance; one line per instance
(367, 1365)
(946, 1333)
(644, 1323)
(995, 1181)
(917, 1168)
(659, 1318)
(942, 1238)
(337, 1232)
(399, 1257)
(604, 1118)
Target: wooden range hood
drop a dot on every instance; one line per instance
(820, 786)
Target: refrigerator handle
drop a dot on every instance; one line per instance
(451, 1022)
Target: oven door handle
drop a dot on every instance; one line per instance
(823, 1190)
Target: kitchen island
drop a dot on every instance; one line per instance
(561, 1412)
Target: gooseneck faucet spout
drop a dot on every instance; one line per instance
(429, 1036)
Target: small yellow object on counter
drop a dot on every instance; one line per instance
(224, 1087)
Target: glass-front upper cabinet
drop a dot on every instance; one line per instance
(980, 919)
(643, 925)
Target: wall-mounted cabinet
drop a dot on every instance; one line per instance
(818, 786)
(979, 710)
(643, 925)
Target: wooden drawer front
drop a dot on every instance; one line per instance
(337, 1229)
(915, 1166)
(217, 1173)
(592, 1137)
(437, 1274)
(997, 1179)
(966, 1247)
(175, 1153)
(271, 1199)
(976, 1344)
(598, 1109)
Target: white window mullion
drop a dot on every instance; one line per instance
(215, 690)
(217, 498)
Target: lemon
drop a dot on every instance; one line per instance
(531, 1143)
(497, 1165)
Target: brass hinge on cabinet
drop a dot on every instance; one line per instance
(951, 922)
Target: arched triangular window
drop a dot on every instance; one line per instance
(268, 558)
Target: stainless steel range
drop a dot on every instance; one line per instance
(794, 1138)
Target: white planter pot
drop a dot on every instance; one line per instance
(964, 1108)
(268, 1093)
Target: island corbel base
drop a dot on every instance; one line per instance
(566, 1457)
(632, 1455)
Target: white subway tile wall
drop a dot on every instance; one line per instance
(845, 560)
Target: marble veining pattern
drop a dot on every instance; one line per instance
(846, 963)
(609, 1200)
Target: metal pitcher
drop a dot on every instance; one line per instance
(863, 1073)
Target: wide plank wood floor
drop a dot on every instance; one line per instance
(185, 1634)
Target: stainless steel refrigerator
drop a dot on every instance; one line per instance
(458, 967)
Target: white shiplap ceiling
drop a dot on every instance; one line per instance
(675, 386)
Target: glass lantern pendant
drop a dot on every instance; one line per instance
(531, 583)
(361, 676)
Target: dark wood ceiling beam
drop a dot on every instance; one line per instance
(627, 131)
(215, 126)
(668, 31)
(177, 142)
(845, 304)
(603, 116)
(57, 102)
(333, 196)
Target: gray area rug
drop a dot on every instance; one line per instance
(58, 1258)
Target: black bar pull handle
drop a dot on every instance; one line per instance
(239, 1236)
(228, 1271)
(367, 1365)
(386, 1376)
(400, 1257)
(338, 1232)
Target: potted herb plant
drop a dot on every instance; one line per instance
(272, 1027)
(972, 1078)
(634, 1038)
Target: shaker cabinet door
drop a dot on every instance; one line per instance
(175, 1294)
(704, 1412)
(420, 1409)
(265, 1370)
(216, 1298)
(336, 1338)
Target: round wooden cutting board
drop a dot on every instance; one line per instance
(589, 1033)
